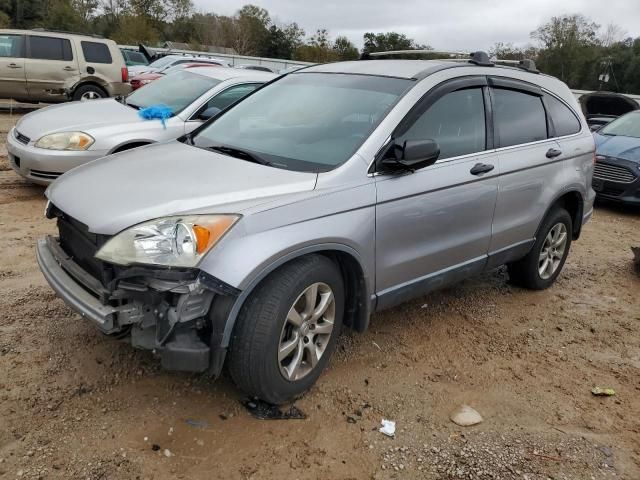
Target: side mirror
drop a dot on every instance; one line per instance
(411, 155)
(209, 113)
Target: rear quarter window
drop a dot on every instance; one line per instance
(519, 117)
(96, 52)
(564, 120)
(50, 48)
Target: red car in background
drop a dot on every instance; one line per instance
(144, 78)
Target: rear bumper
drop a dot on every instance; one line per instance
(118, 88)
(43, 166)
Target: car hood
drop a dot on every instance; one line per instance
(116, 192)
(76, 116)
(626, 148)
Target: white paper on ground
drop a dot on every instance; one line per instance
(388, 428)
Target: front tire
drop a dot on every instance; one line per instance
(287, 330)
(542, 265)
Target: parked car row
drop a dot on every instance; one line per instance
(52, 67)
(251, 238)
(46, 143)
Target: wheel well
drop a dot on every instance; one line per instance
(572, 202)
(356, 301)
(129, 146)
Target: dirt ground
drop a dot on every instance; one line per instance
(75, 404)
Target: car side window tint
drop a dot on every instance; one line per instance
(11, 46)
(456, 122)
(564, 120)
(231, 95)
(519, 117)
(50, 48)
(95, 52)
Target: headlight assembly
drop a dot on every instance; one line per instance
(66, 141)
(170, 241)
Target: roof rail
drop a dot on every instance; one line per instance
(40, 29)
(479, 58)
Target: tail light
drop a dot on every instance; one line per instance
(125, 74)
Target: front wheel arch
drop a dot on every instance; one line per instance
(358, 296)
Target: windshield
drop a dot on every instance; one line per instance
(176, 91)
(306, 121)
(136, 58)
(626, 126)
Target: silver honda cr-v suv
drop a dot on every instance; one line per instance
(324, 196)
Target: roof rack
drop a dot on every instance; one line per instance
(478, 58)
(40, 29)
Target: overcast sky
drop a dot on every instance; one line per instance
(443, 24)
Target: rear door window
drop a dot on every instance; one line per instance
(95, 52)
(519, 117)
(456, 122)
(11, 46)
(50, 48)
(564, 120)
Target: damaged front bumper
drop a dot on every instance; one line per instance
(163, 310)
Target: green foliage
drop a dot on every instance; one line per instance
(385, 42)
(135, 29)
(574, 49)
(345, 49)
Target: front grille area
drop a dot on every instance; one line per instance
(21, 138)
(613, 173)
(82, 245)
(45, 175)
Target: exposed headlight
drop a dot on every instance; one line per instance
(169, 241)
(65, 141)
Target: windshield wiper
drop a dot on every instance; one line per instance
(133, 105)
(242, 154)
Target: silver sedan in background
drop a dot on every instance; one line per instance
(46, 143)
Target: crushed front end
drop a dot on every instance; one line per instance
(163, 309)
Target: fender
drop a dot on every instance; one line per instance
(577, 225)
(257, 278)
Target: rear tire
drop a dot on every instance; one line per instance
(287, 330)
(89, 92)
(542, 265)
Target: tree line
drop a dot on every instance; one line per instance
(573, 48)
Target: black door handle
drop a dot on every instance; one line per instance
(480, 168)
(553, 153)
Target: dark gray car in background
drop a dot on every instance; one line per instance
(325, 196)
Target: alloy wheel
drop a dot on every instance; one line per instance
(90, 95)
(306, 331)
(552, 251)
